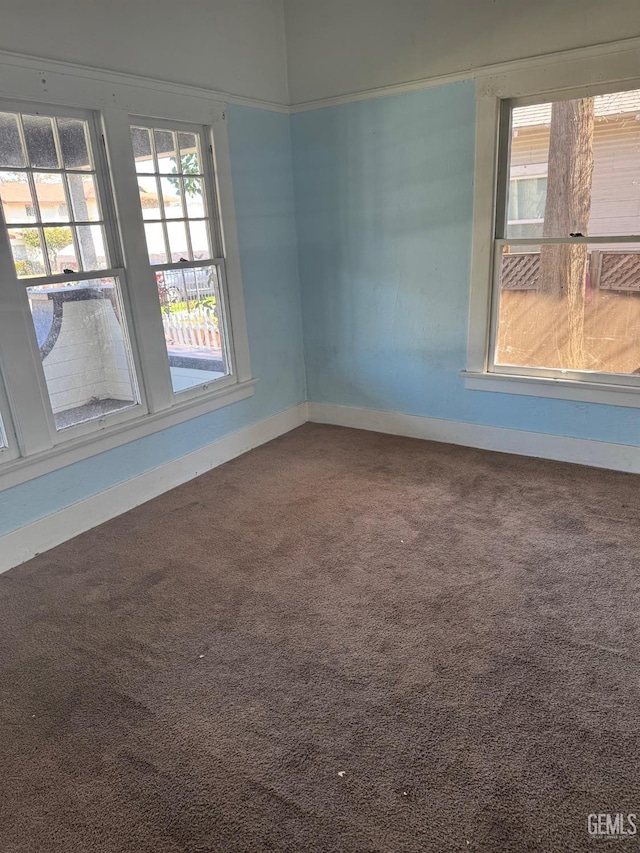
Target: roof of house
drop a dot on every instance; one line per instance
(616, 103)
(17, 192)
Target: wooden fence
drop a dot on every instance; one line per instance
(607, 271)
(196, 329)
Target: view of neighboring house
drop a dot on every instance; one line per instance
(616, 149)
(615, 192)
(18, 205)
(19, 208)
(608, 307)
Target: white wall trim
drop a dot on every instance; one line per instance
(552, 387)
(598, 454)
(579, 54)
(12, 63)
(45, 533)
(24, 468)
(383, 91)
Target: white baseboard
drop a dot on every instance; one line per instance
(32, 539)
(28, 541)
(599, 454)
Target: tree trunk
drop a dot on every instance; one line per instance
(563, 267)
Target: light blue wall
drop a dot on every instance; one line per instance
(383, 200)
(384, 192)
(263, 188)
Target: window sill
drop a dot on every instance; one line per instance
(20, 470)
(559, 389)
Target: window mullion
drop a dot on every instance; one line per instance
(228, 239)
(504, 150)
(158, 183)
(8, 443)
(73, 228)
(21, 363)
(143, 290)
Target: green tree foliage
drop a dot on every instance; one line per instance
(189, 167)
(57, 239)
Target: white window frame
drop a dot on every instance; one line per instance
(214, 222)
(35, 429)
(117, 100)
(611, 70)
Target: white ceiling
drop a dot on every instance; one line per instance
(233, 46)
(337, 47)
(295, 51)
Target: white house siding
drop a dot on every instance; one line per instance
(615, 203)
(88, 359)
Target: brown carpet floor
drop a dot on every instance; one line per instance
(341, 641)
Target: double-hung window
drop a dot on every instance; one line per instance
(184, 244)
(121, 307)
(556, 285)
(65, 332)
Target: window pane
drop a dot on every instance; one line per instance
(175, 191)
(84, 197)
(177, 241)
(155, 242)
(588, 152)
(17, 202)
(149, 192)
(27, 251)
(92, 247)
(41, 147)
(41, 313)
(189, 156)
(570, 307)
(60, 248)
(73, 143)
(142, 152)
(51, 197)
(85, 353)
(166, 151)
(11, 153)
(171, 198)
(191, 316)
(200, 240)
(527, 197)
(194, 197)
